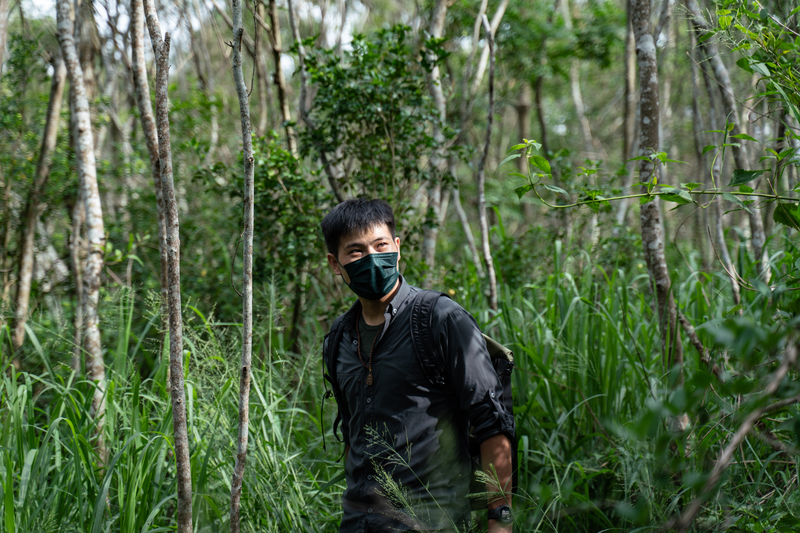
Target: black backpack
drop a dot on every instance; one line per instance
(432, 363)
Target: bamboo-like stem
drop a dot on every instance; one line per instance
(87, 174)
(487, 251)
(177, 390)
(247, 275)
(684, 522)
(142, 91)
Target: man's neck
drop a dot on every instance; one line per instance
(373, 310)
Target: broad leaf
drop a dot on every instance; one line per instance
(541, 163)
(733, 199)
(788, 214)
(522, 190)
(692, 186)
(507, 159)
(740, 177)
(679, 196)
(743, 136)
(557, 190)
(709, 148)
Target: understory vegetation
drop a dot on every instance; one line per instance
(656, 378)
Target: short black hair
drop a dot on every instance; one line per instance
(353, 217)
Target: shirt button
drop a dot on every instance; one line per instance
(369, 400)
(394, 312)
(369, 477)
(369, 510)
(355, 342)
(492, 394)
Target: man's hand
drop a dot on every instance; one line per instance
(496, 463)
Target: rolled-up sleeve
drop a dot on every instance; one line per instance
(472, 376)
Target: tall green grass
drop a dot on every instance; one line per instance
(591, 397)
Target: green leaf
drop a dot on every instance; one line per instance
(517, 174)
(692, 186)
(541, 163)
(788, 214)
(733, 199)
(743, 136)
(731, 125)
(645, 199)
(679, 196)
(516, 147)
(640, 158)
(522, 190)
(708, 148)
(557, 190)
(744, 63)
(761, 68)
(507, 159)
(745, 188)
(674, 161)
(740, 177)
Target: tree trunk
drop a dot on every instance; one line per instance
(629, 120)
(652, 234)
(439, 161)
(716, 175)
(482, 62)
(280, 80)
(177, 390)
(5, 9)
(247, 275)
(142, 90)
(702, 220)
(524, 105)
(87, 174)
(758, 238)
(31, 213)
(77, 216)
(264, 91)
(487, 251)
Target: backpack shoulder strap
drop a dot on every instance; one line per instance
(422, 337)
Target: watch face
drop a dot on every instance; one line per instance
(505, 514)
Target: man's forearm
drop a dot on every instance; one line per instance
(496, 453)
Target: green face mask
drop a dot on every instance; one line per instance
(373, 276)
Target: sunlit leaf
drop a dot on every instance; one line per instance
(522, 190)
(507, 159)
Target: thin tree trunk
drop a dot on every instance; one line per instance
(575, 89)
(702, 219)
(247, 275)
(177, 389)
(716, 175)
(758, 238)
(481, 68)
(629, 120)
(280, 80)
(31, 213)
(264, 96)
(524, 105)
(142, 90)
(487, 251)
(464, 219)
(5, 9)
(87, 173)
(652, 234)
(77, 214)
(439, 160)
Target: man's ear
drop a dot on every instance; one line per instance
(397, 244)
(334, 264)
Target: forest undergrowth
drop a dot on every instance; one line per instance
(593, 402)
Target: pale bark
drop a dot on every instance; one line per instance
(721, 246)
(247, 275)
(629, 121)
(142, 91)
(264, 96)
(280, 79)
(5, 9)
(484, 59)
(76, 255)
(31, 213)
(439, 160)
(177, 389)
(730, 108)
(702, 219)
(95, 234)
(652, 233)
(485, 244)
(575, 89)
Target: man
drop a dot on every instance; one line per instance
(407, 462)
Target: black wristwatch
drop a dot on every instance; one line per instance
(502, 514)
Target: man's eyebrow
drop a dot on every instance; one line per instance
(358, 243)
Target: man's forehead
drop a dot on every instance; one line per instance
(380, 231)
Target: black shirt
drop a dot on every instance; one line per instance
(409, 464)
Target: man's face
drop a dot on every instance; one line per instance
(353, 247)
